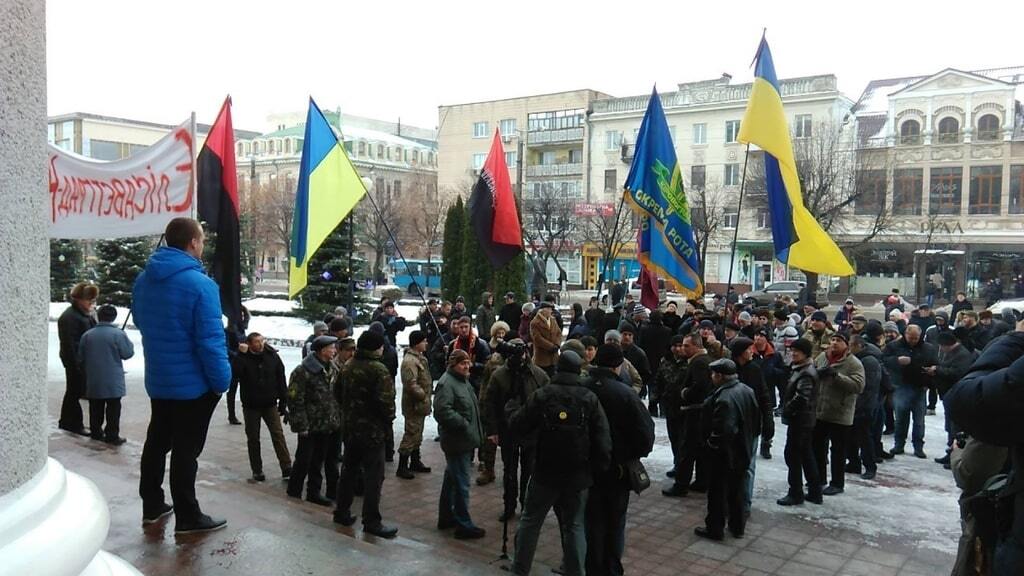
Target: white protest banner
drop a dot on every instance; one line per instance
(136, 196)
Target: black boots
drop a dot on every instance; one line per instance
(403, 467)
(416, 465)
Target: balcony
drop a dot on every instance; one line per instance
(542, 170)
(560, 136)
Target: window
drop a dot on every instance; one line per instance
(348, 147)
(803, 126)
(1017, 189)
(764, 219)
(104, 150)
(378, 186)
(51, 133)
(612, 140)
(387, 150)
(732, 129)
(906, 191)
(415, 156)
(556, 120)
(270, 147)
(731, 220)
(870, 192)
(288, 146)
(480, 130)
(986, 189)
(478, 161)
(732, 175)
(430, 158)
(698, 177)
(248, 148)
(575, 156)
(700, 133)
(507, 127)
(396, 188)
(399, 154)
(946, 187)
(362, 148)
(988, 127)
(949, 130)
(547, 158)
(611, 184)
(239, 149)
(380, 151)
(910, 132)
(511, 160)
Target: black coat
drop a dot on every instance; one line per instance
(638, 358)
(752, 376)
(261, 380)
(655, 339)
(525, 419)
(867, 401)
(510, 314)
(672, 321)
(697, 387)
(987, 404)
(70, 327)
(800, 399)
(921, 356)
(730, 420)
(630, 422)
(953, 366)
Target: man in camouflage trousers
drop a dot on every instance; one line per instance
(314, 417)
(367, 395)
(416, 390)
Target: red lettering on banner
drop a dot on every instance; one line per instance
(183, 136)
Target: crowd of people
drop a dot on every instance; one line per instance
(569, 402)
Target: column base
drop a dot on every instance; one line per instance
(55, 524)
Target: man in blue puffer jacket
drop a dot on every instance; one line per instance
(177, 310)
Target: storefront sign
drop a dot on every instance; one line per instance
(883, 254)
(941, 227)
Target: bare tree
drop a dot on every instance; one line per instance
(425, 230)
(843, 184)
(708, 218)
(272, 206)
(372, 228)
(549, 227)
(603, 226)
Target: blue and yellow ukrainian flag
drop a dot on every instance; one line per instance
(798, 238)
(654, 188)
(329, 188)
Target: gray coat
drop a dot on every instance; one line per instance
(100, 353)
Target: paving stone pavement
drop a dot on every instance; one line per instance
(269, 533)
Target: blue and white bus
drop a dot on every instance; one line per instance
(427, 277)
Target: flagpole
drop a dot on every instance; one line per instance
(736, 230)
(608, 256)
(398, 250)
(192, 183)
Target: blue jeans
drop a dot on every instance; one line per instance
(751, 470)
(909, 401)
(454, 502)
(569, 506)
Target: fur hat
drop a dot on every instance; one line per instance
(416, 336)
(370, 341)
(609, 356)
(739, 346)
(819, 316)
(457, 356)
(804, 346)
(499, 325)
(85, 291)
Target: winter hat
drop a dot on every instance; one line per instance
(804, 346)
(707, 324)
(609, 356)
(890, 327)
(942, 314)
(790, 332)
(457, 356)
(739, 346)
(842, 336)
(780, 314)
(859, 318)
(849, 301)
(570, 362)
(723, 366)
(321, 342)
(528, 308)
(85, 291)
(499, 325)
(873, 330)
(347, 344)
(340, 311)
(377, 327)
(614, 336)
(745, 316)
(732, 326)
(370, 341)
(340, 323)
(895, 315)
(795, 318)
(946, 338)
(574, 345)
(319, 327)
(819, 316)
(416, 336)
(627, 327)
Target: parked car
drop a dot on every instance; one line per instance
(767, 295)
(1015, 304)
(634, 289)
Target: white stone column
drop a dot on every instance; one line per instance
(927, 136)
(52, 522)
(968, 127)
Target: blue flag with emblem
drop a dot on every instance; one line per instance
(654, 188)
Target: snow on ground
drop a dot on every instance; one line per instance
(257, 305)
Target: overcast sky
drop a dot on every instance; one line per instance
(160, 60)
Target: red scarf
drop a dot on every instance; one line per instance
(835, 359)
(467, 345)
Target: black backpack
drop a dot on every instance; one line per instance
(564, 441)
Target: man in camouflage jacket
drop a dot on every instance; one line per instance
(417, 386)
(314, 417)
(367, 395)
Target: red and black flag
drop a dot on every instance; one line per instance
(218, 206)
(492, 209)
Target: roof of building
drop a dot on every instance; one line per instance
(875, 97)
(353, 133)
(598, 93)
(200, 128)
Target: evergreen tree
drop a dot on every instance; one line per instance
(65, 268)
(477, 273)
(511, 278)
(118, 263)
(328, 282)
(455, 223)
